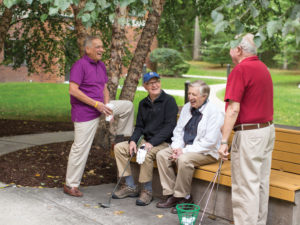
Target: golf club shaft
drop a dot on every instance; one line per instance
(218, 182)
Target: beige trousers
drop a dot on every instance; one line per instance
(122, 155)
(179, 186)
(84, 134)
(251, 157)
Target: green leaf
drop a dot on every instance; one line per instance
(43, 17)
(111, 17)
(216, 16)
(10, 3)
(29, 1)
(295, 12)
(234, 3)
(287, 27)
(62, 4)
(261, 34)
(254, 11)
(239, 27)
(53, 10)
(273, 26)
(257, 40)
(125, 3)
(103, 4)
(264, 3)
(90, 6)
(235, 43)
(221, 26)
(85, 17)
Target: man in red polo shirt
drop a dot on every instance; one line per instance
(249, 112)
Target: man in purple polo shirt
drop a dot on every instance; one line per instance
(89, 96)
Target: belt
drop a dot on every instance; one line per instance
(252, 126)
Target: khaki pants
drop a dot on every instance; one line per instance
(146, 169)
(251, 157)
(84, 134)
(181, 186)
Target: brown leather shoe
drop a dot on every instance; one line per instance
(74, 191)
(190, 200)
(170, 202)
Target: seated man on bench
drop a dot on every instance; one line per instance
(195, 142)
(156, 120)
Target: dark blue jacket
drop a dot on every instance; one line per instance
(157, 120)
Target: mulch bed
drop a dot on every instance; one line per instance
(45, 165)
(18, 127)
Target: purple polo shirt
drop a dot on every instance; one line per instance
(91, 78)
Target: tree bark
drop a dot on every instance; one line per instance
(80, 29)
(142, 50)
(116, 53)
(106, 132)
(197, 40)
(5, 21)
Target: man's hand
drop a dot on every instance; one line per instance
(223, 152)
(132, 147)
(101, 107)
(176, 153)
(148, 146)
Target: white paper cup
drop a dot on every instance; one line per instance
(111, 106)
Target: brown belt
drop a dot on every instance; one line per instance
(252, 126)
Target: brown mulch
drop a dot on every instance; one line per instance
(18, 127)
(45, 165)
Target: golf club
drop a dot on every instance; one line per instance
(213, 216)
(107, 205)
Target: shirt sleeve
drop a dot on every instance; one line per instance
(77, 73)
(235, 85)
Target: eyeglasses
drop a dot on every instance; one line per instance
(152, 83)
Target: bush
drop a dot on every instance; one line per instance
(169, 62)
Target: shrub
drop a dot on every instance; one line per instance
(169, 62)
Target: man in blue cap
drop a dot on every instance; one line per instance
(156, 119)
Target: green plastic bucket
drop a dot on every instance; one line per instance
(187, 213)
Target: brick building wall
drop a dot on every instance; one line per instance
(8, 74)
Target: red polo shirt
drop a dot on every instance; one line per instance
(250, 84)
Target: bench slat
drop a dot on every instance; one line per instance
(292, 137)
(285, 180)
(286, 156)
(283, 194)
(275, 190)
(287, 147)
(286, 166)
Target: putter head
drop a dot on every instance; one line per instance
(212, 217)
(103, 205)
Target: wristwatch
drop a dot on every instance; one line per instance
(224, 142)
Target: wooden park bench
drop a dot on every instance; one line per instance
(284, 205)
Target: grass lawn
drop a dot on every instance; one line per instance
(286, 97)
(50, 102)
(43, 101)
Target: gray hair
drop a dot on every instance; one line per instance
(203, 88)
(88, 40)
(248, 45)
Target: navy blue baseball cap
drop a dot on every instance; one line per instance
(150, 75)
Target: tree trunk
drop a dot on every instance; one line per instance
(142, 50)
(106, 132)
(116, 53)
(80, 29)
(5, 20)
(197, 40)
